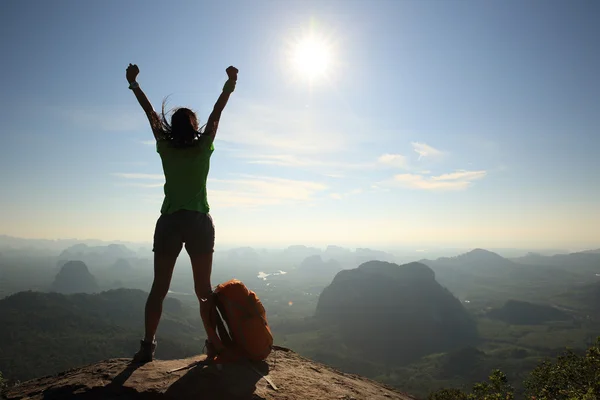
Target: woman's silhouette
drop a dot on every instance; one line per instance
(185, 151)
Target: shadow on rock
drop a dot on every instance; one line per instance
(115, 388)
(207, 382)
(232, 382)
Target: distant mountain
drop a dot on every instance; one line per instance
(316, 265)
(336, 252)
(122, 265)
(394, 313)
(45, 333)
(524, 313)
(347, 258)
(363, 255)
(297, 253)
(477, 258)
(585, 262)
(16, 243)
(245, 255)
(489, 274)
(114, 250)
(74, 277)
(97, 255)
(54, 246)
(597, 251)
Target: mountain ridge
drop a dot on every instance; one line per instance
(74, 277)
(402, 309)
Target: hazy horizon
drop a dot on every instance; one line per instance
(410, 124)
(436, 250)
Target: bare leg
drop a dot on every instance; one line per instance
(202, 268)
(163, 272)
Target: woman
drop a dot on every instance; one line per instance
(185, 153)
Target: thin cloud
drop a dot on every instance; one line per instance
(270, 187)
(256, 191)
(339, 196)
(236, 199)
(393, 160)
(279, 129)
(283, 160)
(460, 175)
(332, 168)
(244, 190)
(289, 160)
(321, 164)
(136, 175)
(425, 150)
(458, 180)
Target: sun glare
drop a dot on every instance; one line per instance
(311, 57)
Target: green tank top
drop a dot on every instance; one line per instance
(186, 171)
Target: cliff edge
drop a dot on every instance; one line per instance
(284, 376)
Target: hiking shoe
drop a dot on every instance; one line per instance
(223, 356)
(211, 351)
(145, 353)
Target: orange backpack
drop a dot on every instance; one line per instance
(248, 333)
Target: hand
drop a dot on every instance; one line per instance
(132, 72)
(232, 73)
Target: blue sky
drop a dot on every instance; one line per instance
(437, 123)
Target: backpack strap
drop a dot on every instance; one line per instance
(211, 320)
(221, 329)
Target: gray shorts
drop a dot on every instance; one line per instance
(193, 228)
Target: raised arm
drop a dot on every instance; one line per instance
(131, 75)
(213, 120)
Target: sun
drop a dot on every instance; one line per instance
(311, 57)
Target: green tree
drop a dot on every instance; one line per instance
(449, 394)
(571, 376)
(497, 388)
(2, 382)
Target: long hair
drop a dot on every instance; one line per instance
(183, 130)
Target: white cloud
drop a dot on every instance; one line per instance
(339, 196)
(283, 160)
(269, 188)
(289, 160)
(280, 129)
(425, 150)
(393, 160)
(244, 190)
(324, 164)
(460, 175)
(236, 199)
(310, 139)
(458, 180)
